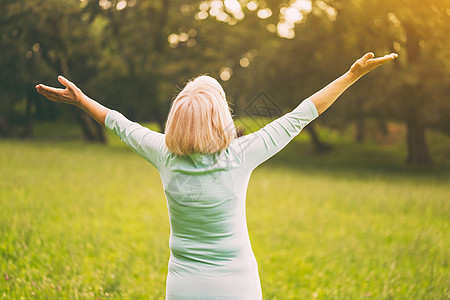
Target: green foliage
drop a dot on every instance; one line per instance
(124, 57)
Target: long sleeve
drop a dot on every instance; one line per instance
(147, 143)
(259, 146)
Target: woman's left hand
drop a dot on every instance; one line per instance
(70, 95)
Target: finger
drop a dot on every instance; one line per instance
(382, 60)
(394, 55)
(48, 92)
(366, 57)
(50, 89)
(65, 82)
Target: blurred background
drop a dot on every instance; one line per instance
(356, 207)
(134, 56)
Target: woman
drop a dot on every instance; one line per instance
(205, 171)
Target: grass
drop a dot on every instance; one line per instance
(84, 221)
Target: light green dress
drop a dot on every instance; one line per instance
(210, 252)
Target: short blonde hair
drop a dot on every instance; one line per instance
(199, 119)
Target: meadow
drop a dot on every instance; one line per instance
(83, 221)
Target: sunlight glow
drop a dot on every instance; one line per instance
(223, 17)
(227, 11)
(303, 5)
(225, 73)
(272, 28)
(322, 5)
(331, 11)
(186, 9)
(184, 37)
(105, 4)
(201, 15)
(233, 6)
(216, 4)
(251, 54)
(244, 62)
(214, 11)
(173, 40)
(232, 22)
(285, 30)
(192, 32)
(239, 15)
(121, 5)
(292, 15)
(191, 43)
(264, 13)
(36, 47)
(252, 5)
(204, 5)
(393, 18)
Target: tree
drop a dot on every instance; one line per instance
(417, 30)
(43, 39)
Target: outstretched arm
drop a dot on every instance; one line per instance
(326, 96)
(73, 95)
(145, 142)
(257, 147)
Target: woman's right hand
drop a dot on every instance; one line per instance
(70, 95)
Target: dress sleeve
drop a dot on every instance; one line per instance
(145, 142)
(259, 146)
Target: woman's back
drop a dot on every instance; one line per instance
(211, 254)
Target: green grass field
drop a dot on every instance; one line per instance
(84, 221)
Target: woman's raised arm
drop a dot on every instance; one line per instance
(73, 95)
(326, 96)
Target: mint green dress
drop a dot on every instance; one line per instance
(210, 252)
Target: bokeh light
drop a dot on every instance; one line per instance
(105, 4)
(121, 5)
(303, 5)
(225, 73)
(201, 15)
(252, 5)
(264, 13)
(244, 62)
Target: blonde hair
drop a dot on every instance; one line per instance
(199, 119)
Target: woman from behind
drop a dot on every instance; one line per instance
(205, 170)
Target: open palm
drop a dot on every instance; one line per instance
(70, 95)
(367, 63)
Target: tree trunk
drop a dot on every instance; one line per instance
(92, 131)
(28, 128)
(360, 132)
(319, 146)
(415, 136)
(86, 124)
(101, 137)
(417, 145)
(5, 130)
(360, 128)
